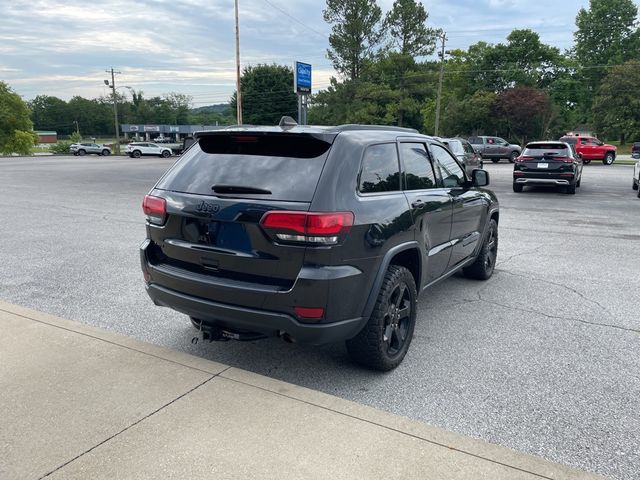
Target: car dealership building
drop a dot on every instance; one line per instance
(149, 133)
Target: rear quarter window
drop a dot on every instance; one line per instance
(380, 169)
(287, 166)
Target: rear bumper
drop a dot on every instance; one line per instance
(262, 309)
(267, 323)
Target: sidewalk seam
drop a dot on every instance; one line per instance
(109, 341)
(417, 437)
(132, 425)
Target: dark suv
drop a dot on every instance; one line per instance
(315, 234)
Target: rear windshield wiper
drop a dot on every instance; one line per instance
(239, 189)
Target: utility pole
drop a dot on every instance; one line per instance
(238, 92)
(443, 39)
(115, 106)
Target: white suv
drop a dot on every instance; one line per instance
(137, 149)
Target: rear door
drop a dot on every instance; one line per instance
(217, 194)
(431, 207)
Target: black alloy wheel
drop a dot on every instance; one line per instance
(383, 342)
(165, 154)
(136, 154)
(485, 262)
(513, 156)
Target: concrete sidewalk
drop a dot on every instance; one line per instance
(81, 403)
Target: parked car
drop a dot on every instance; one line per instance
(591, 148)
(464, 152)
(635, 148)
(495, 148)
(259, 232)
(636, 171)
(548, 163)
(137, 149)
(86, 148)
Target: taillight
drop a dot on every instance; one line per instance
(307, 227)
(155, 208)
(523, 159)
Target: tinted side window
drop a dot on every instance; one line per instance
(380, 169)
(475, 140)
(417, 167)
(452, 174)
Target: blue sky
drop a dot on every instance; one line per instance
(63, 47)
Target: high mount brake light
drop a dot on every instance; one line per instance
(308, 227)
(155, 208)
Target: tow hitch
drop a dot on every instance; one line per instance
(212, 333)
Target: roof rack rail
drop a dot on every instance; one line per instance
(354, 126)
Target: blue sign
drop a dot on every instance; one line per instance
(302, 77)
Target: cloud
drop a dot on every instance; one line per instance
(62, 48)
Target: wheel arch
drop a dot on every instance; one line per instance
(406, 255)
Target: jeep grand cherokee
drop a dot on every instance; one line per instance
(315, 234)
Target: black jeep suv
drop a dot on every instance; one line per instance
(315, 234)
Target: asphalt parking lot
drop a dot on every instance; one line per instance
(543, 358)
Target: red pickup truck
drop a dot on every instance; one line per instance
(591, 148)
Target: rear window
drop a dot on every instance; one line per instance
(455, 146)
(275, 166)
(547, 150)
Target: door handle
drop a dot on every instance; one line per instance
(417, 203)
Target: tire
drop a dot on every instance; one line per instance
(586, 162)
(384, 340)
(513, 156)
(136, 154)
(579, 182)
(485, 262)
(481, 165)
(634, 185)
(517, 188)
(495, 160)
(608, 158)
(82, 153)
(571, 189)
(106, 153)
(638, 193)
(165, 154)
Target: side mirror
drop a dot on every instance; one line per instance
(479, 178)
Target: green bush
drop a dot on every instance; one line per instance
(60, 147)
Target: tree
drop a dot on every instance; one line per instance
(606, 35)
(616, 107)
(406, 24)
(267, 94)
(354, 35)
(526, 112)
(51, 113)
(16, 128)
